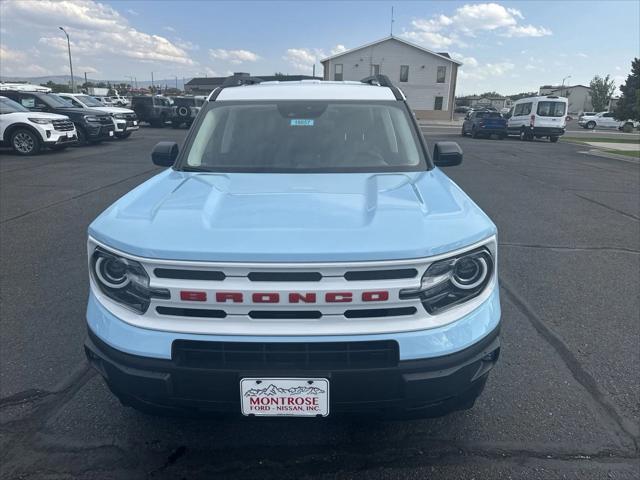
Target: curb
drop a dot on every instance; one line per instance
(613, 156)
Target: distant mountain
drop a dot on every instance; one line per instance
(66, 79)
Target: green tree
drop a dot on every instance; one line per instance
(601, 91)
(57, 87)
(628, 107)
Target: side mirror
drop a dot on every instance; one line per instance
(164, 154)
(447, 154)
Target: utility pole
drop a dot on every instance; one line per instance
(152, 87)
(85, 79)
(562, 88)
(73, 85)
(176, 82)
(392, 21)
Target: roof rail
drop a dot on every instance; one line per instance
(379, 79)
(383, 81)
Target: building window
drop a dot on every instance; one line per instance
(337, 73)
(438, 104)
(442, 73)
(404, 73)
(375, 69)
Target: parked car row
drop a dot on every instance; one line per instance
(529, 118)
(158, 110)
(92, 122)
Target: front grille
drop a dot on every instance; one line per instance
(304, 355)
(355, 275)
(62, 125)
(105, 120)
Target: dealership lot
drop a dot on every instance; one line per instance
(563, 401)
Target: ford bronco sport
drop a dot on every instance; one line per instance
(304, 255)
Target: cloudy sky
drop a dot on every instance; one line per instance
(505, 46)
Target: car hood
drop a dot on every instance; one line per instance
(112, 109)
(292, 217)
(76, 111)
(52, 116)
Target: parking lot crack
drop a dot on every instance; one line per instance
(571, 249)
(622, 427)
(75, 197)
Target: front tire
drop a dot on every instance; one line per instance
(553, 139)
(525, 136)
(474, 133)
(25, 142)
(590, 125)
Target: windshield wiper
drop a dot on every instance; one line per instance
(189, 168)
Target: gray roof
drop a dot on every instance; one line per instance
(442, 55)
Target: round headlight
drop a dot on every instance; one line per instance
(469, 272)
(112, 272)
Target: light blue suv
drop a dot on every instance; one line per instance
(303, 256)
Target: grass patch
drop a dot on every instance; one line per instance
(601, 139)
(625, 153)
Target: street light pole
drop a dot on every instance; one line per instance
(73, 86)
(565, 78)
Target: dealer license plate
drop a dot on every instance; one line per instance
(69, 134)
(135, 122)
(111, 133)
(290, 397)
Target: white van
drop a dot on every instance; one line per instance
(537, 117)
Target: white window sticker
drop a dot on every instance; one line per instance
(301, 122)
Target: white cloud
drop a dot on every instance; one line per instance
(82, 69)
(338, 49)
(442, 31)
(302, 59)
(96, 31)
(583, 55)
(526, 31)
(170, 29)
(233, 56)
(131, 11)
(486, 70)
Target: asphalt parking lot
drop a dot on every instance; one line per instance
(563, 402)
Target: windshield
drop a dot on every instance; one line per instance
(89, 101)
(305, 136)
(9, 106)
(54, 100)
(551, 109)
(488, 115)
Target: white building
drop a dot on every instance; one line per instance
(579, 96)
(496, 102)
(428, 79)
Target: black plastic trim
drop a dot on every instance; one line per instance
(180, 274)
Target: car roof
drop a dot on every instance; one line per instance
(306, 90)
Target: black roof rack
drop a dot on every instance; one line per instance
(235, 80)
(383, 81)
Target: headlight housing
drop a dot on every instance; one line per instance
(455, 280)
(41, 121)
(123, 280)
(91, 118)
(119, 115)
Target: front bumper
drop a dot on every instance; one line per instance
(99, 131)
(124, 125)
(55, 137)
(429, 387)
(435, 370)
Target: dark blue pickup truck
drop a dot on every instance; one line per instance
(484, 123)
